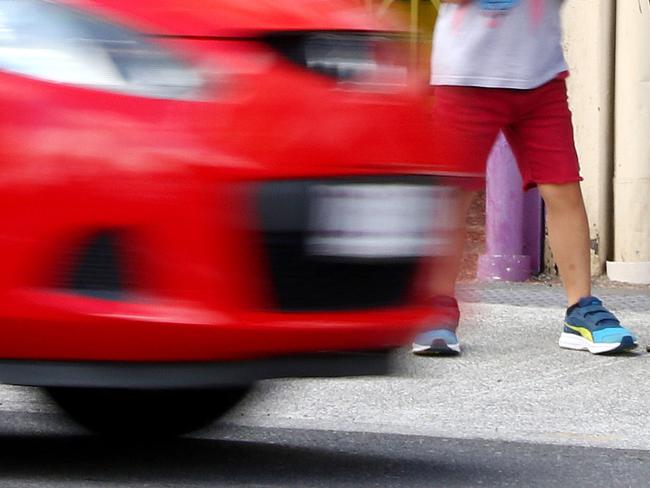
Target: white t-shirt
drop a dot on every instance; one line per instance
(519, 49)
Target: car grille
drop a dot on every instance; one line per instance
(304, 282)
(96, 267)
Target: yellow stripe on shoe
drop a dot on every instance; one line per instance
(583, 331)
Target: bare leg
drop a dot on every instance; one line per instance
(568, 229)
(447, 267)
(440, 338)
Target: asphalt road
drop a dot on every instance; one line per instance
(514, 410)
(36, 451)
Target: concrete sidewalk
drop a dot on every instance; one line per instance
(512, 381)
(617, 297)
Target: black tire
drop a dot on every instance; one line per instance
(156, 413)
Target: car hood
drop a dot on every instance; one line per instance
(207, 18)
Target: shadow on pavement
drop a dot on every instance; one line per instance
(41, 450)
(231, 456)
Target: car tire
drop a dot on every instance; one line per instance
(155, 413)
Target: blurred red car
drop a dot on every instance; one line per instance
(198, 194)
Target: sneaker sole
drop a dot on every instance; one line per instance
(437, 348)
(579, 343)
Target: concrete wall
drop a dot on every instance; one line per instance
(632, 161)
(589, 46)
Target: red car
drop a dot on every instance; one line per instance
(199, 194)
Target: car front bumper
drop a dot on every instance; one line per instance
(190, 375)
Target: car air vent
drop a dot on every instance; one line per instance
(97, 267)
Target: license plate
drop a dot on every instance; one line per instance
(380, 221)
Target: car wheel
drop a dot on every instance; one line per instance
(156, 413)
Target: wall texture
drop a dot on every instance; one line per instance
(632, 156)
(589, 27)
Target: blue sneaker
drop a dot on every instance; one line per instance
(442, 340)
(589, 326)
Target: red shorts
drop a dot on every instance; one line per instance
(537, 124)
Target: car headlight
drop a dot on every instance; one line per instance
(45, 40)
(363, 59)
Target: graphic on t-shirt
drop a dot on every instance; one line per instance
(536, 10)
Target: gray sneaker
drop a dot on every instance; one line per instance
(440, 340)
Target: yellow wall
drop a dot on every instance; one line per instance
(420, 15)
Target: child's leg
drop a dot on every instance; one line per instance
(467, 122)
(447, 268)
(568, 230)
(542, 140)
